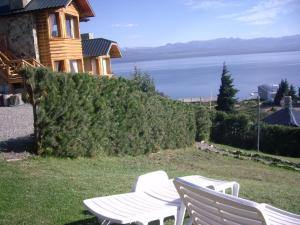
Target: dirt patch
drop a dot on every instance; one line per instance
(243, 155)
(14, 156)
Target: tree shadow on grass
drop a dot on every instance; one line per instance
(90, 221)
(95, 221)
(17, 145)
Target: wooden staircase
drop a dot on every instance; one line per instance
(11, 65)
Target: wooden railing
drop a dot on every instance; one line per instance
(8, 54)
(34, 62)
(11, 67)
(4, 57)
(18, 64)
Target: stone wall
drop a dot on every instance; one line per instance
(20, 32)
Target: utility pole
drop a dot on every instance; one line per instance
(258, 121)
(210, 100)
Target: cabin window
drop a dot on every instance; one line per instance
(59, 66)
(74, 66)
(71, 25)
(54, 25)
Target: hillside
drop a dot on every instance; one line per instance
(222, 46)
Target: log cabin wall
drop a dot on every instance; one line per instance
(92, 65)
(99, 67)
(87, 65)
(43, 38)
(61, 48)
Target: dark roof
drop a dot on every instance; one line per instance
(286, 116)
(35, 5)
(96, 47)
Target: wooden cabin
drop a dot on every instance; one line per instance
(97, 53)
(38, 33)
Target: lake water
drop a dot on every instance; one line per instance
(200, 77)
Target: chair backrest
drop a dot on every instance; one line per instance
(209, 207)
(149, 180)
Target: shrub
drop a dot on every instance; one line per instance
(233, 129)
(81, 115)
(203, 123)
(237, 130)
(280, 140)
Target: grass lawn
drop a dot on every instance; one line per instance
(50, 190)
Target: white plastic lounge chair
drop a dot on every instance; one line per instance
(208, 207)
(154, 197)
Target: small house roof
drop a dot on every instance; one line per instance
(36, 5)
(100, 47)
(268, 87)
(286, 116)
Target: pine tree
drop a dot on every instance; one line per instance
(226, 97)
(283, 90)
(292, 92)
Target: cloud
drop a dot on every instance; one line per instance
(265, 12)
(204, 4)
(124, 25)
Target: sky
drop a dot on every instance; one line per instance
(149, 23)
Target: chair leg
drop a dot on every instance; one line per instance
(180, 214)
(236, 189)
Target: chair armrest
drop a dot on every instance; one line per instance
(278, 215)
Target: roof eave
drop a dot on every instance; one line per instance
(17, 12)
(86, 8)
(119, 53)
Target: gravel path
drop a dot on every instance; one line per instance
(16, 126)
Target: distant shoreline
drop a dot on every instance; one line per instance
(194, 77)
(197, 56)
(216, 47)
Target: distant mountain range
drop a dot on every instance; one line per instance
(221, 46)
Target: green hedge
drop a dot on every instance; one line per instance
(81, 115)
(280, 140)
(233, 129)
(203, 123)
(239, 131)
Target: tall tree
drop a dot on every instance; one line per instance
(283, 90)
(226, 97)
(292, 92)
(299, 92)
